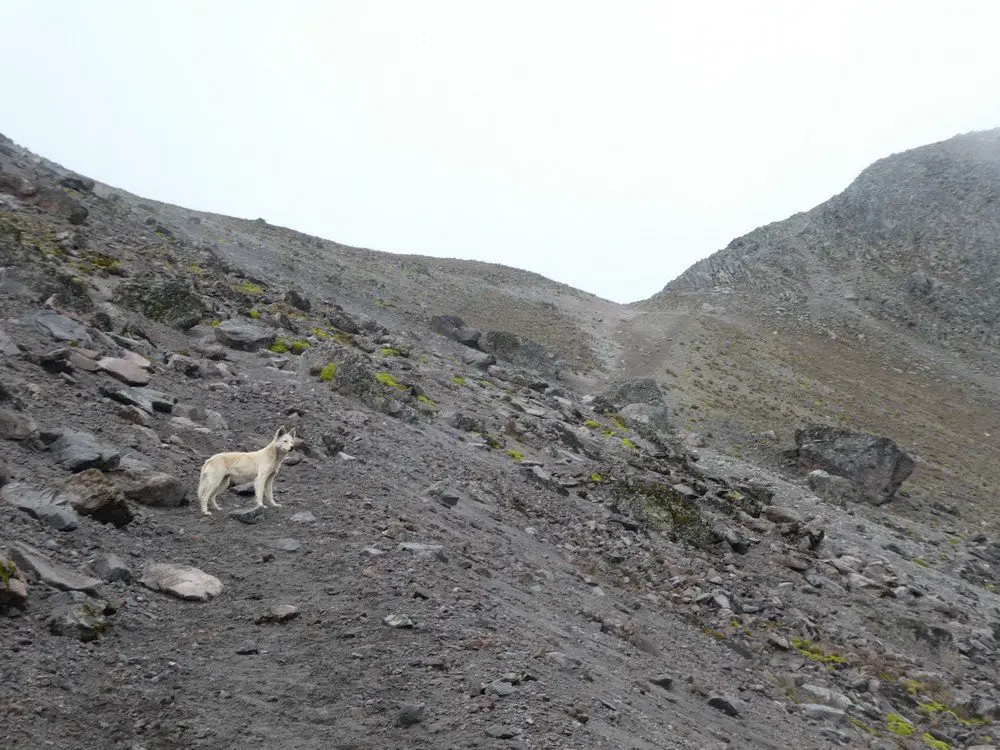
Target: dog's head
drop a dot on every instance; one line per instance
(284, 441)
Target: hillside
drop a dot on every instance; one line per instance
(493, 531)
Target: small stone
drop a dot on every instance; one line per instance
(304, 516)
(664, 681)
(16, 426)
(419, 549)
(779, 642)
(501, 732)
(250, 515)
(247, 649)
(724, 704)
(410, 714)
(398, 621)
(287, 544)
(819, 711)
(279, 613)
(500, 688)
(109, 567)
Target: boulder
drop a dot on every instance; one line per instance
(109, 567)
(621, 393)
(522, 352)
(876, 466)
(76, 615)
(832, 487)
(47, 505)
(29, 558)
(156, 489)
(298, 300)
(173, 302)
(61, 327)
(92, 494)
(125, 370)
(453, 327)
(182, 581)
(145, 398)
(77, 450)
(244, 337)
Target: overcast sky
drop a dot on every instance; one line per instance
(607, 145)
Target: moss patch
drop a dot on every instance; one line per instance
(279, 347)
(516, 455)
(816, 652)
(898, 725)
(386, 378)
(328, 373)
(249, 288)
(459, 380)
(299, 346)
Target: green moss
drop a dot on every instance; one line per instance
(931, 741)
(299, 346)
(858, 724)
(817, 653)
(255, 314)
(387, 379)
(249, 288)
(458, 380)
(666, 508)
(921, 562)
(596, 477)
(197, 270)
(328, 373)
(279, 347)
(216, 323)
(388, 351)
(608, 432)
(320, 334)
(7, 571)
(898, 725)
(592, 424)
(619, 420)
(629, 444)
(424, 400)
(516, 455)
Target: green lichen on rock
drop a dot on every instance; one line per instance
(249, 288)
(279, 347)
(899, 725)
(388, 351)
(386, 378)
(299, 346)
(516, 455)
(931, 741)
(328, 373)
(459, 380)
(255, 314)
(173, 302)
(592, 424)
(816, 652)
(666, 509)
(597, 477)
(629, 444)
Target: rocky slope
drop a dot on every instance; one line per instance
(488, 538)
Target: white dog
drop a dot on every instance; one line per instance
(223, 469)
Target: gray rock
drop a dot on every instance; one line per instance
(80, 617)
(521, 352)
(304, 516)
(29, 558)
(156, 489)
(876, 466)
(15, 425)
(92, 494)
(171, 301)
(499, 688)
(78, 450)
(244, 337)
(479, 360)
(398, 621)
(287, 544)
(621, 393)
(109, 567)
(127, 371)
(420, 549)
(832, 487)
(134, 415)
(250, 515)
(182, 581)
(147, 399)
(819, 711)
(189, 366)
(410, 714)
(725, 704)
(664, 681)
(47, 505)
(60, 327)
(298, 300)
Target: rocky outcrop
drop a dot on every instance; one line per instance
(521, 352)
(173, 302)
(876, 466)
(244, 337)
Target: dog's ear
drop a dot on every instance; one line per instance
(292, 433)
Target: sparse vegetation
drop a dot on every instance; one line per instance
(328, 373)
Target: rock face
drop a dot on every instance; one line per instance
(912, 240)
(171, 301)
(875, 466)
(246, 338)
(182, 581)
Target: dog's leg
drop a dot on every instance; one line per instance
(205, 490)
(269, 490)
(223, 485)
(258, 486)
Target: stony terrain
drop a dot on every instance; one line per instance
(518, 515)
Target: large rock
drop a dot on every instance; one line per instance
(832, 487)
(145, 398)
(124, 370)
(244, 337)
(171, 301)
(16, 426)
(77, 450)
(92, 494)
(76, 615)
(521, 352)
(29, 558)
(875, 465)
(182, 581)
(47, 505)
(60, 327)
(156, 489)
(453, 327)
(621, 393)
